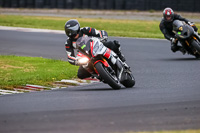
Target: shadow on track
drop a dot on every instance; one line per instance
(180, 59)
(98, 89)
(101, 89)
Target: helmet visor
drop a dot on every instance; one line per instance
(70, 33)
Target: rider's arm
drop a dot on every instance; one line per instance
(70, 53)
(164, 31)
(186, 21)
(176, 16)
(93, 32)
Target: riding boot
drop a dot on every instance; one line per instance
(118, 51)
(182, 50)
(121, 56)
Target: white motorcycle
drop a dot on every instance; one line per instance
(102, 63)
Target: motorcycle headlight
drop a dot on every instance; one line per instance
(83, 61)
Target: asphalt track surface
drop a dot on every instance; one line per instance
(166, 95)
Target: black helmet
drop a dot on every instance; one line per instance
(72, 28)
(168, 14)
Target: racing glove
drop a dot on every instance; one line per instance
(173, 40)
(193, 26)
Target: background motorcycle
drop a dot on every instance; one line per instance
(188, 38)
(103, 63)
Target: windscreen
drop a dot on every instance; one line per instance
(83, 44)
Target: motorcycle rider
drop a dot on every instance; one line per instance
(166, 27)
(73, 31)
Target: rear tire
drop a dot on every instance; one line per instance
(107, 77)
(197, 56)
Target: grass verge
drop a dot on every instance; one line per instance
(123, 28)
(17, 70)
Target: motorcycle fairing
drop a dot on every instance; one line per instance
(182, 30)
(97, 47)
(105, 63)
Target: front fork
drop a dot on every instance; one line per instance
(113, 63)
(197, 36)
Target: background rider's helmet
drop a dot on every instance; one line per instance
(72, 28)
(168, 14)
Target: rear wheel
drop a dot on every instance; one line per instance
(129, 82)
(197, 56)
(109, 78)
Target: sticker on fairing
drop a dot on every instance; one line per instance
(83, 46)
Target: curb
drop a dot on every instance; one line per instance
(57, 85)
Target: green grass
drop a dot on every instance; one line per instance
(180, 131)
(17, 70)
(123, 28)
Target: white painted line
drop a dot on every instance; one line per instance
(35, 86)
(57, 31)
(9, 91)
(90, 81)
(4, 93)
(70, 81)
(31, 30)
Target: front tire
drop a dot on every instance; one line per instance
(107, 77)
(196, 45)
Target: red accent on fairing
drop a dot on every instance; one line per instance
(105, 63)
(66, 46)
(107, 54)
(100, 34)
(90, 30)
(82, 55)
(91, 46)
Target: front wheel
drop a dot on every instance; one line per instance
(196, 45)
(109, 78)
